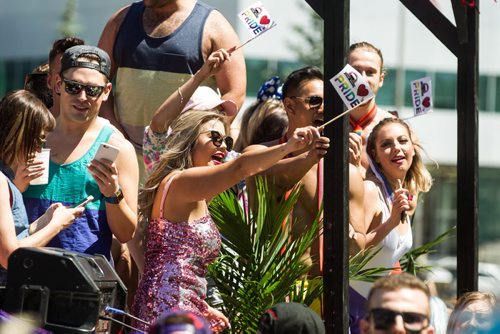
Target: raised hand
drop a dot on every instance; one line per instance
(355, 149)
(64, 216)
(303, 138)
(27, 172)
(319, 148)
(218, 321)
(106, 176)
(214, 62)
(400, 203)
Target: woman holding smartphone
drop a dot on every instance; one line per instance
(24, 123)
(181, 238)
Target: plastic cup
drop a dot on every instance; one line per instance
(43, 156)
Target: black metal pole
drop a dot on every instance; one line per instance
(467, 164)
(336, 216)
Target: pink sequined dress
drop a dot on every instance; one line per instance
(176, 260)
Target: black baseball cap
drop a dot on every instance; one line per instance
(71, 55)
(286, 318)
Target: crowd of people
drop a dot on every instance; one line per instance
(178, 84)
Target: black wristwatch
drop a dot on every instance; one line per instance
(116, 198)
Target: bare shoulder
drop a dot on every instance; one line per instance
(381, 113)
(121, 143)
(111, 28)
(3, 183)
(371, 189)
(217, 22)
(219, 31)
(117, 18)
(356, 186)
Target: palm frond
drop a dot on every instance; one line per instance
(260, 264)
(409, 260)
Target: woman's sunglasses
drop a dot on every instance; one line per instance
(314, 101)
(384, 319)
(217, 139)
(73, 87)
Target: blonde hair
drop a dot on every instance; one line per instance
(269, 111)
(418, 179)
(185, 131)
(23, 117)
(465, 300)
(397, 282)
(368, 47)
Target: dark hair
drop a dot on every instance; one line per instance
(36, 82)
(295, 79)
(23, 117)
(368, 47)
(62, 45)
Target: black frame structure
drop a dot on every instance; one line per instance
(462, 40)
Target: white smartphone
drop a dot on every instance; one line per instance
(89, 198)
(107, 152)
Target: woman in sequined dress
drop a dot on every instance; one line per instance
(181, 239)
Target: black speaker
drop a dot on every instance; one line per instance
(66, 291)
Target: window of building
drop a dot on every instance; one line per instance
(483, 93)
(261, 70)
(497, 94)
(445, 90)
(387, 94)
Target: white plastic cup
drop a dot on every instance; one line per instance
(43, 156)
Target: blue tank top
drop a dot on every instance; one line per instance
(179, 52)
(17, 207)
(69, 184)
(149, 69)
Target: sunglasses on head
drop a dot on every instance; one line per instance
(313, 101)
(73, 87)
(384, 319)
(217, 139)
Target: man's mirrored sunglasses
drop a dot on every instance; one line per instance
(314, 101)
(73, 88)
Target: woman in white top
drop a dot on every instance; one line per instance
(396, 177)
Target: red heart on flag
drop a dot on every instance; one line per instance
(426, 102)
(264, 20)
(362, 91)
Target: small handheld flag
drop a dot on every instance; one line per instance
(352, 88)
(257, 21)
(421, 94)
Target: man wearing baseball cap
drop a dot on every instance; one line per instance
(83, 84)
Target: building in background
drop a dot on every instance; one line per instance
(28, 28)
